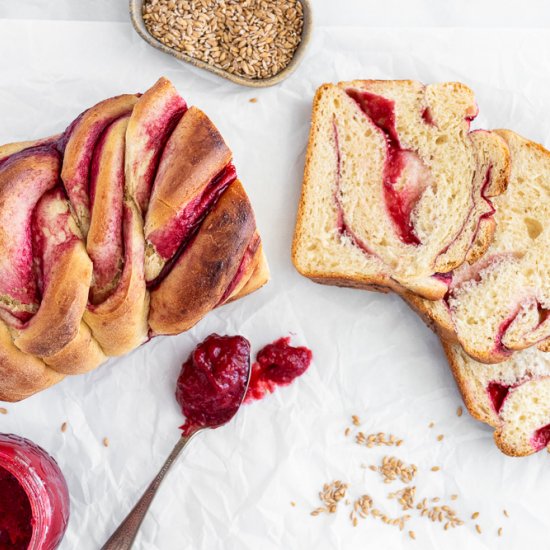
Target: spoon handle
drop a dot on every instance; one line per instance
(123, 537)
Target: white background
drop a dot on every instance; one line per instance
(372, 356)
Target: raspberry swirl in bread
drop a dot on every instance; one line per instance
(501, 303)
(130, 224)
(397, 191)
(512, 396)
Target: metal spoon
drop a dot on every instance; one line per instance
(123, 538)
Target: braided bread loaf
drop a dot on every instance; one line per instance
(130, 224)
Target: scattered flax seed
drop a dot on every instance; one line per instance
(292, 503)
(377, 440)
(105, 441)
(362, 507)
(436, 499)
(435, 468)
(3, 410)
(440, 437)
(412, 535)
(478, 528)
(499, 532)
(355, 420)
(475, 515)
(405, 497)
(393, 468)
(505, 513)
(454, 497)
(346, 433)
(399, 521)
(442, 514)
(331, 494)
(64, 427)
(459, 411)
(431, 425)
(253, 100)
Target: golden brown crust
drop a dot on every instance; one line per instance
(120, 322)
(12, 148)
(81, 354)
(298, 228)
(461, 381)
(257, 276)
(483, 240)
(203, 272)
(361, 282)
(79, 149)
(21, 374)
(194, 155)
(472, 400)
(149, 126)
(434, 314)
(57, 321)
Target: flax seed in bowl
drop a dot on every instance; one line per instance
(251, 42)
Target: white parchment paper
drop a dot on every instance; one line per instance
(373, 357)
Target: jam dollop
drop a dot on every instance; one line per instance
(15, 514)
(277, 364)
(213, 382)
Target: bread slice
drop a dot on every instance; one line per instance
(513, 397)
(396, 188)
(501, 303)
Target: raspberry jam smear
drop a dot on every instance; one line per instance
(15, 514)
(213, 382)
(277, 364)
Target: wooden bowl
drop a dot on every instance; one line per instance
(139, 26)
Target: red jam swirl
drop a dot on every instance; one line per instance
(34, 499)
(277, 364)
(15, 514)
(497, 394)
(399, 202)
(213, 382)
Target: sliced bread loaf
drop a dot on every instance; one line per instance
(396, 188)
(513, 397)
(501, 303)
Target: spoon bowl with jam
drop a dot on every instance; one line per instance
(210, 390)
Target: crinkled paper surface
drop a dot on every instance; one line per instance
(233, 488)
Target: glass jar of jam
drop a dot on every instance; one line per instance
(34, 500)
